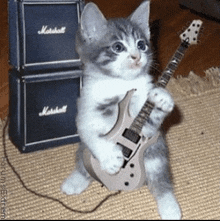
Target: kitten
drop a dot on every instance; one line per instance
(117, 57)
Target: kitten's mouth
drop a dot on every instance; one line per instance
(136, 65)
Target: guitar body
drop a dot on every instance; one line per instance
(132, 174)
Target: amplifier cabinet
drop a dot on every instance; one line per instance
(42, 34)
(42, 109)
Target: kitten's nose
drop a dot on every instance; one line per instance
(136, 57)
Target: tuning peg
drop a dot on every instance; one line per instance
(184, 28)
(188, 23)
(201, 30)
(201, 34)
(180, 32)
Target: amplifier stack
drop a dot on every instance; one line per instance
(45, 76)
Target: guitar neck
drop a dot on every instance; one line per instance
(147, 108)
(172, 65)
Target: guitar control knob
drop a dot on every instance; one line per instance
(126, 183)
(132, 165)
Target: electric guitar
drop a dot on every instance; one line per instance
(127, 131)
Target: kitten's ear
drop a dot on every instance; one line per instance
(93, 22)
(141, 17)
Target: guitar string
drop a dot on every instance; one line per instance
(139, 120)
(162, 82)
(43, 195)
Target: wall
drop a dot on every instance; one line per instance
(4, 67)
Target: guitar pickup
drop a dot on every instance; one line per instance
(131, 135)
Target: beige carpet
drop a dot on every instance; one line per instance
(193, 138)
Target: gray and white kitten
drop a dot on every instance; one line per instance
(116, 55)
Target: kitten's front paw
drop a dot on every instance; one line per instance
(112, 160)
(162, 99)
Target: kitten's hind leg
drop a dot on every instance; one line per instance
(159, 181)
(79, 179)
(75, 183)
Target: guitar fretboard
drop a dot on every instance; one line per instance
(148, 106)
(172, 65)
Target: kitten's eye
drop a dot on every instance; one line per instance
(141, 45)
(118, 47)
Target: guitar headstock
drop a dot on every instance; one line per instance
(190, 35)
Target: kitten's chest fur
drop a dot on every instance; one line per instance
(105, 93)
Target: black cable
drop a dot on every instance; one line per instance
(42, 195)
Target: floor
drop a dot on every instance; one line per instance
(167, 20)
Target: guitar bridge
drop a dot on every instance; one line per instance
(125, 150)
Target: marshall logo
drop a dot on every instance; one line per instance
(46, 31)
(46, 111)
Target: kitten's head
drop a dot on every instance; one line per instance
(120, 47)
